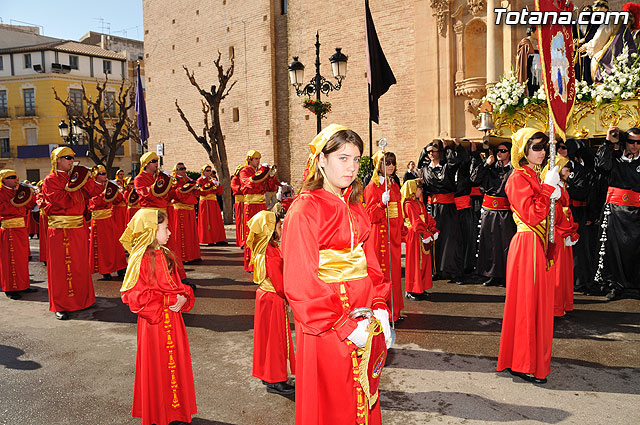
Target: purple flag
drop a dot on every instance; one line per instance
(141, 110)
(379, 73)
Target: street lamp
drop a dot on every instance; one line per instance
(318, 84)
(70, 137)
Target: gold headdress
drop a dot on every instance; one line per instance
(252, 154)
(57, 153)
(205, 166)
(139, 234)
(318, 143)
(7, 173)
(96, 169)
(146, 159)
(561, 161)
(261, 228)
(520, 139)
(408, 190)
(375, 159)
(238, 169)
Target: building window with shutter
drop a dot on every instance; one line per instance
(31, 135)
(75, 101)
(29, 102)
(110, 103)
(1, 64)
(5, 146)
(106, 66)
(4, 112)
(73, 62)
(27, 60)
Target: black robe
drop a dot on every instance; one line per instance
(496, 227)
(468, 227)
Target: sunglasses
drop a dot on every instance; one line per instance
(102, 174)
(181, 168)
(503, 150)
(11, 178)
(633, 142)
(431, 151)
(153, 161)
(68, 157)
(561, 147)
(538, 147)
(389, 163)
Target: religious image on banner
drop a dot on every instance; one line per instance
(559, 67)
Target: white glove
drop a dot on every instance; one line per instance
(427, 239)
(435, 236)
(383, 317)
(385, 197)
(265, 164)
(553, 177)
(381, 179)
(568, 242)
(214, 182)
(556, 193)
(360, 335)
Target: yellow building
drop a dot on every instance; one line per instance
(31, 67)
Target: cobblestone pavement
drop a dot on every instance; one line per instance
(442, 369)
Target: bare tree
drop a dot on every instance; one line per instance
(106, 122)
(211, 138)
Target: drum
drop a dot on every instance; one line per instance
(78, 177)
(23, 195)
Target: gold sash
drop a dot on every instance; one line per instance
(239, 198)
(565, 210)
(342, 265)
(65, 221)
(181, 206)
(393, 209)
(254, 198)
(267, 286)
(540, 229)
(210, 197)
(101, 214)
(13, 223)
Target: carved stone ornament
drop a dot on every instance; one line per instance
(441, 12)
(476, 7)
(473, 107)
(474, 87)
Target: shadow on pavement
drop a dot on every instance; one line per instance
(468, 406)
(235, 294)
(221, 281)
(9, 358)
(200, 421)
(219, 323)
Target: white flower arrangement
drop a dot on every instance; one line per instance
(622, 82)
(506, 95)
(540, 96)
(584, 92)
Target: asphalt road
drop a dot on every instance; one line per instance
(442, 369)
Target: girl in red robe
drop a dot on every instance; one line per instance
(163, 390)
(527, 324)
(238, 205)
(272, 343)
(380, 197)
(421, 231)
(184, 224)
(327, 274)
(210, 225)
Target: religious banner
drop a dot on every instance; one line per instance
(555, 42)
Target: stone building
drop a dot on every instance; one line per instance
(442, 52)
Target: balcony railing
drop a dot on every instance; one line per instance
(22, 111)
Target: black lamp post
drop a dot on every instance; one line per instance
(318, 84)
(69, 133)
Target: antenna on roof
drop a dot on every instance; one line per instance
(104, 25)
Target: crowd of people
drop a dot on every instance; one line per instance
(466, 212)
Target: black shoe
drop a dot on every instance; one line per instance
(528, 378)
(106, 277)
(192, 285)
(613, 295)
(121, 273)
(29, 290)
(426, 295)
(196, 261)
(414, 296)
(14, 295)
(222, 243)
(490, 282)
(281, 388)
(211, 244)
(62, 315)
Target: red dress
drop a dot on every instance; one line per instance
(238, 209)
(379, 239)
(254, 202)
(106, 254)
(14, 243)
(417, 270)
(527, 324)
(317, 221)
(143, 184)
(184, 224)
(68, 273)
(210, 224)
(43, 228)
(272, 343)
(562, 270)
(163, 390)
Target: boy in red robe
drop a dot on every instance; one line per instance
(272, 344)
(14, 240)
(420, 235)
(238, 205)
(184, 224)
(163, 390)
(210, 224)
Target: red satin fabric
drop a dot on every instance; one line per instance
(120, 216)
(562, 270)
(417, 270)
(106, 253)
(210, 224)
(14, 245)
(318, 220)
(527, 324)
(163, 352)
(184, 224)
(273, 347)
(238, 210)
(70, 285)
(389, 260)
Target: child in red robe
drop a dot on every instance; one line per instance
(422, 232)
(163, 390)
(272, 343)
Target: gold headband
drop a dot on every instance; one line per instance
(146, 159)
(408, 190)
(318, 143)
(57, 153)
(139, 234)
(519, 140)
(252, 154)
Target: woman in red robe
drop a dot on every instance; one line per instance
(163, 391)
(421, 231)
(106, 255)
(210, 225)
(119, 206)
(43, 224)
(328, 274)
(380, 197)
(273, 347)
(238, 205)
(184, 223)
(527, 324)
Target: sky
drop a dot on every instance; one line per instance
(72, 19)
